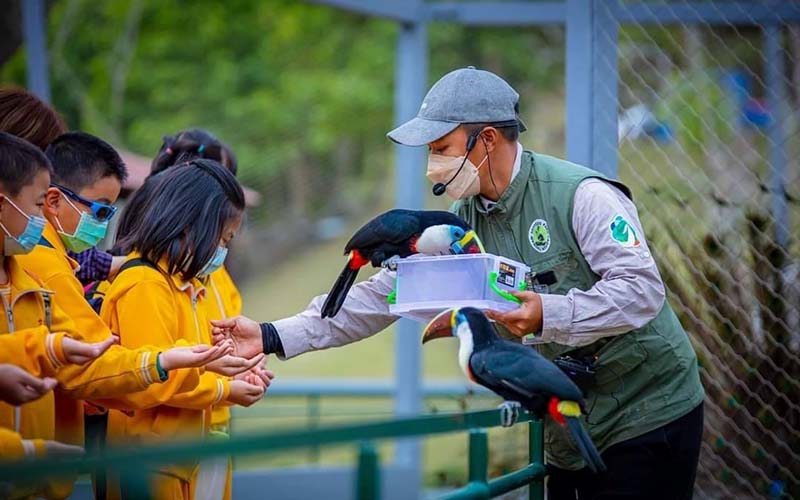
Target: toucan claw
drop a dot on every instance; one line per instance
(509, 413)
(391, 263)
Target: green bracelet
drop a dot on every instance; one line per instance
(163, 375)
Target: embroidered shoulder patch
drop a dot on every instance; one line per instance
(623, 232)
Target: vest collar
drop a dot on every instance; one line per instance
(514, 193)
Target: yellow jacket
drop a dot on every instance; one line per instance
(29, 308)
(14, 447)
(117, 371)
(223, 300)
(146, 305)
(35, 350)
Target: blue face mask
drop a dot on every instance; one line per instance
(214, 263)
(88, 233)
(30, 237)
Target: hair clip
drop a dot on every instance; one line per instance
(169, 151)
(201, 148)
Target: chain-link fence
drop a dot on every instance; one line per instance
(709, 143)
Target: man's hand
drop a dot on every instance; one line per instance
(524, 320)
(234, 365)
(18, 386)
(193, 356)
(78, 353)
(244, 394)
(245, 333)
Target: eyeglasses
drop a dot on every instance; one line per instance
(100, 211)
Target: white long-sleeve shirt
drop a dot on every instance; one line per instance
(629, 294)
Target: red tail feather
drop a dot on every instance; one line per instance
(552, 409)
(357, 261)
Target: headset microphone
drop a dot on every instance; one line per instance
(440, 187)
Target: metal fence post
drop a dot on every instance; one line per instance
(591, 81)
(410, 77)
(778, 131)
(536, 455)
(368, 480)
(33, 23)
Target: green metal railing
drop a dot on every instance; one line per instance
(368, 467)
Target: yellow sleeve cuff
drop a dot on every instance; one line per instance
(55, 350)
(223, 390)
(148, 369)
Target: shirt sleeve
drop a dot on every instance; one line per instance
(630, 292)
(95, 265)
(364, 313)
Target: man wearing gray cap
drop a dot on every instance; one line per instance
(596, 294)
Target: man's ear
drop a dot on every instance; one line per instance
(52, 201)
(489, 137)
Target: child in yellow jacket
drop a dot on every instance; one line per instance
(223, 298)
(192, 214)
(30, 313)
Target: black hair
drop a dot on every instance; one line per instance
(190, 144)
(80, 159)
(183, 147)
(509, 132)
(184, 214)
(20, 161)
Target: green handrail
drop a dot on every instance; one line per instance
(271, 442)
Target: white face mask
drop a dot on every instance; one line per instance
(465, 184)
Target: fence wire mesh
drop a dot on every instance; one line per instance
(708, 131)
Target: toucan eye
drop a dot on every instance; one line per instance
(458, 233)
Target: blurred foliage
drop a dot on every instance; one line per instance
(284, 82)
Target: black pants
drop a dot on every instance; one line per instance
(658, 465)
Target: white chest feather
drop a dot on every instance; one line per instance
(465, 347)
(435, 240)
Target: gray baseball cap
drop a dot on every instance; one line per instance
(466, 95)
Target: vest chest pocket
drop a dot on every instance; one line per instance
(563, 265)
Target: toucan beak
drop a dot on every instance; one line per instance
(470, 243)
(440, 326)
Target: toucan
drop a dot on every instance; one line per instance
(516, 373)
(400, 233)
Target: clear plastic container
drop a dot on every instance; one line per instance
(427, 285)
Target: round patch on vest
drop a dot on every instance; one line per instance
(623, 233)
(539, 235)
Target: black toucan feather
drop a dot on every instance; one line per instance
(390, 234)
(519, 373)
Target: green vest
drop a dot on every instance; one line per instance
(645, 378)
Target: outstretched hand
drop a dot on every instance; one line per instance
(78, 353)
(523, 320)
(245, 333)
(18, 386)
(194, 356)
(234, 365)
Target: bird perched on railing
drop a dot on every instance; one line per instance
(400, 233)
(516, 373)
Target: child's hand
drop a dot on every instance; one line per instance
(18, 386)
(244, 394)
(56, 449)
(78, 353)
(234, 365)
(258, 376)
(193, 356)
